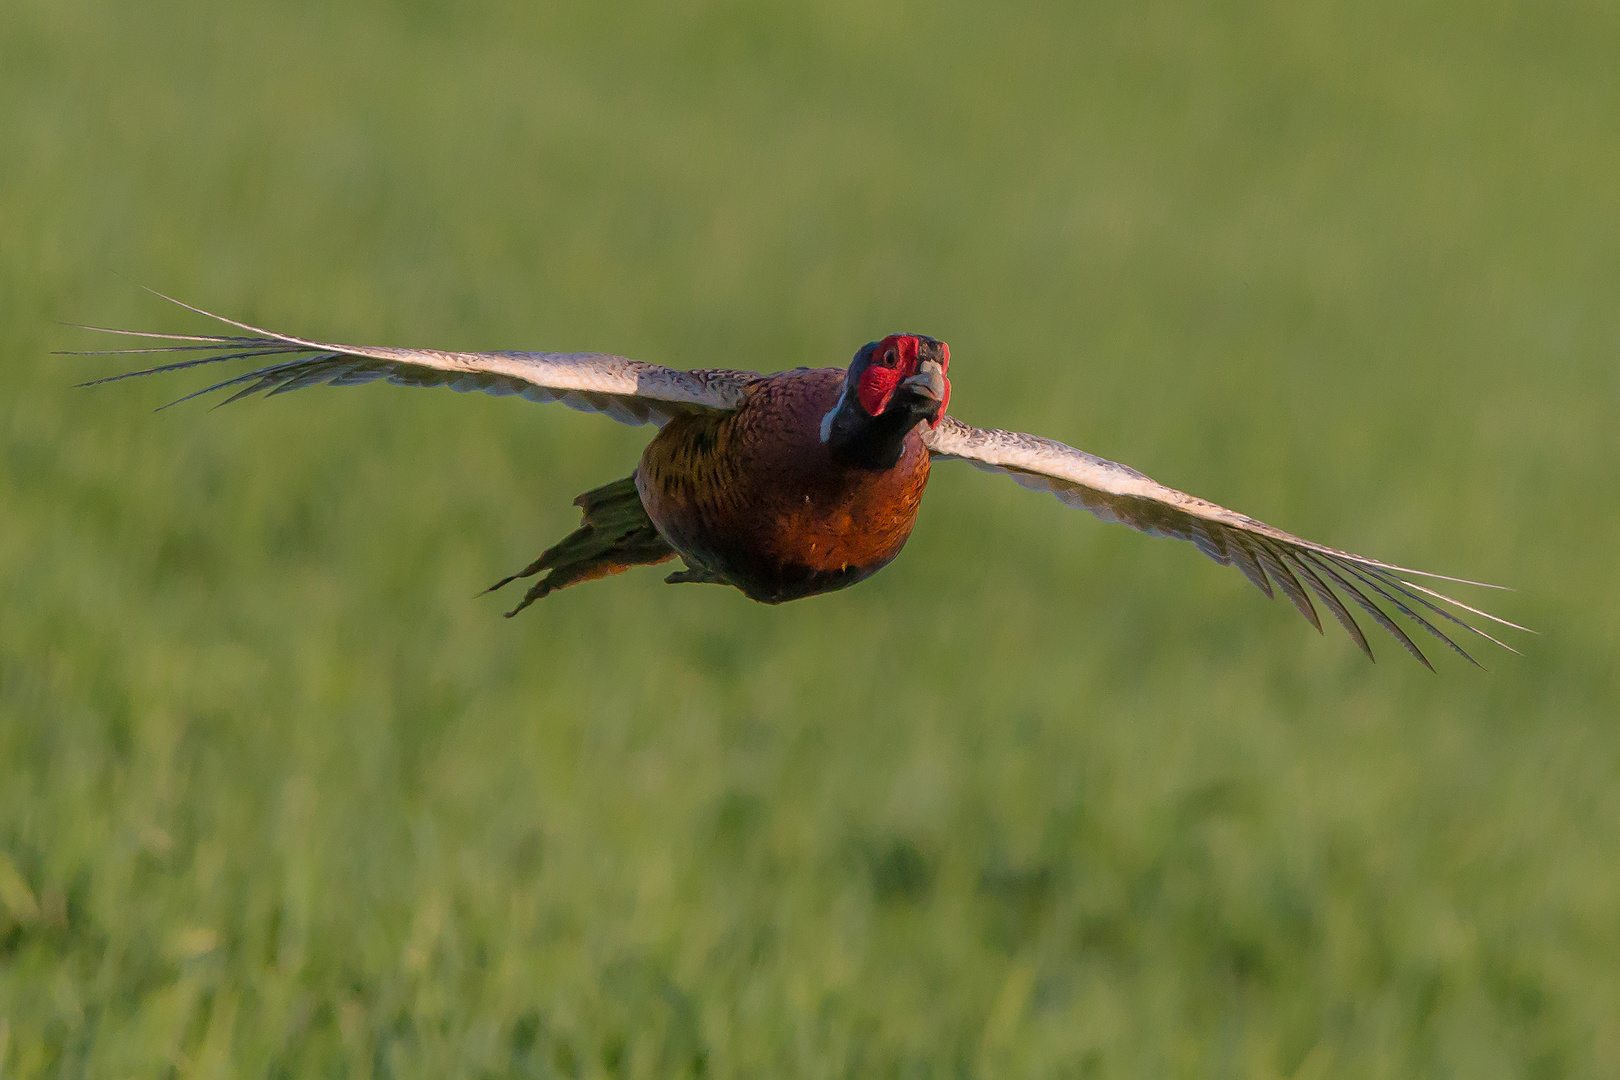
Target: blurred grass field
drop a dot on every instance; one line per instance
(279, 797)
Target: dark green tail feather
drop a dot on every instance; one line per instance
(615, 535)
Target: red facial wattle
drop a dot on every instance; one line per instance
(876, 387)
(894, 359)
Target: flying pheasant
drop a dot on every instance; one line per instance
(804, 481)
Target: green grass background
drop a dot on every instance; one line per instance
(280, 798)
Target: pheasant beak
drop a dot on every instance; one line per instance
(930, 388)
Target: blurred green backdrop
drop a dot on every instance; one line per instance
(279, 798)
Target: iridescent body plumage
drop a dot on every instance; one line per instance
(756, 499)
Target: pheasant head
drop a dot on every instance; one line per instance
(891, 386)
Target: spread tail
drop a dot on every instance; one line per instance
(615, 535)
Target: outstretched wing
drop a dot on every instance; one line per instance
(626, 390)
(1299, 568)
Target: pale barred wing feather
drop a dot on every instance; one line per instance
(1266, 555)
(626, 390)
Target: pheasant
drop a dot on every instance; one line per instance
(796, 483)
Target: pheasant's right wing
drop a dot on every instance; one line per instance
(629, 391)
(1265, 554)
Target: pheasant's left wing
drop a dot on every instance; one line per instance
(1300, 568)
(626, 390)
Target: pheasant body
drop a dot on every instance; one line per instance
(754, 497)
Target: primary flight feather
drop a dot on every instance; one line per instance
(800, 482)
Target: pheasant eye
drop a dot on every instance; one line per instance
(889, 357)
